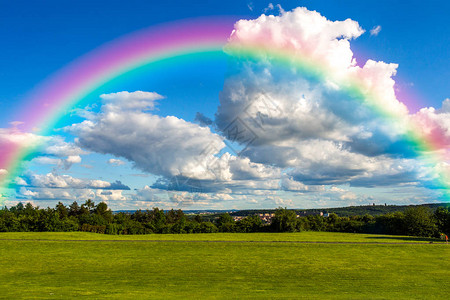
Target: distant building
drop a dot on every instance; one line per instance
(326, 215)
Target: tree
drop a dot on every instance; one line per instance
(171, 216)
(284, 221)
(17, 209)
(198, 219)
(225, 223)
(249, 224)
(158, 219)
(442, 216)
(89, 205)
(103, 211)
(391, 223)
(208, 227)
(74, 209)
(29, 209)
(62, 210)
(332, 222)
(419, 222)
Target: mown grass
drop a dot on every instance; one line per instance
(54, 267)
(306, 236)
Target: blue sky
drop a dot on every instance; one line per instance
(40, 38)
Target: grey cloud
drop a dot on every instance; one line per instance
(202, 120)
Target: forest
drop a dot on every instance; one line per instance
(414, 221)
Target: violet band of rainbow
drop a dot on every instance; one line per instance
(56, 95)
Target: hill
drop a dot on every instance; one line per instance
(348, 211)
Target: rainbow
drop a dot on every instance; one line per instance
(430, 147)
(54, 97)
(51, 100)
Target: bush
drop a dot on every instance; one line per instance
(208, 227)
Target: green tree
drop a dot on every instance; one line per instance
(198, 219)
(62, 211)
(89, 205)
(29, 209)
(157, 219)
(171, 216)
(208, 227)
(103, 211)
(332, 222)
(74, 209)
(442, 216)
(284, 220)
(225, 223)
(249, 224)
(419, 221)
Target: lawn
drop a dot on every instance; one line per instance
(63, 265)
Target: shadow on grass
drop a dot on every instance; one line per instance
(405, 238)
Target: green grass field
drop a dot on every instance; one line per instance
(66, 265)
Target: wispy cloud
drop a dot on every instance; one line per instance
(375, 30)
(250, 6)
(269, 8)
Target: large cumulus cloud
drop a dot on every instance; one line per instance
(322, 125)
(165, 146)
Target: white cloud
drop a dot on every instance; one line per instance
(115, 162)
(56, 146)
(52, 150)
(269, 8)
(67, 196)
(375, 30)
(243, 169)
(434, 124)
(73, 159)
(63, 163)
(301, 32)
(51, 180)
(109, 195)
(45, 160)
(185, 199)
(313, 127)
(288, 184)
(12, 139)
(123, 130)
(138, 100)
(348, 196)
(283, 202)
(147, 194)
(19, 181)
(282, 11)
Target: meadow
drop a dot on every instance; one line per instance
(254, 265)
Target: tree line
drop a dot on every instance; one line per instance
(347, 211)
(414, 221)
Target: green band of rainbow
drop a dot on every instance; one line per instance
(51, 100)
